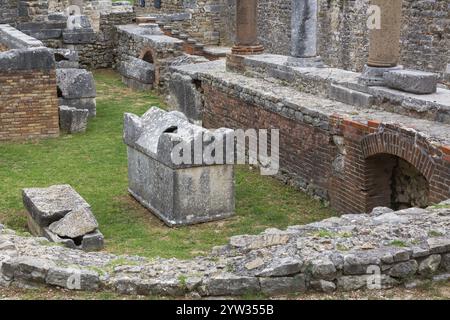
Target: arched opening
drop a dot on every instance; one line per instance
(148, 57)
(395, 183)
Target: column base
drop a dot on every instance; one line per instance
(310, 62)
(373, 76)
(247, 50)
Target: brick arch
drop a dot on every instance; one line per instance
(413, 149)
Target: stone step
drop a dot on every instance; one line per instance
(349, 96)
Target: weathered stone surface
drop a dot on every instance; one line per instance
(323, 286)
(73, 279)
(61, 215)
(280, 285)
(413, 81)
(66, 58)
(72, 120)
(378, 211)
(75, 83)
(75, 224)
(248, 242)
(192, 190)
(282, 267)
(137, 69)
(47, 205)
(430, 265)
(349, 96)
(404, 269)
(446, 262)
(93, 241)
(323, 269)
(185, 97)
(78, 36)
(303, 262)
(304, 28)
(227, 284)
(80, 103)
(26, 59)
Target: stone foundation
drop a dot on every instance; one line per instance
(374, 251)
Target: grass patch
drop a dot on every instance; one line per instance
(95, 164)
(399, 243)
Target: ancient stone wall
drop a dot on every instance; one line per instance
(159, 49)
(330, 156)
(8, 12)
(342, 31)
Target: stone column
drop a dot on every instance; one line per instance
(304, 34)
(246, 28)
(384, 47)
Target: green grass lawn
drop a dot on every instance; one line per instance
(95, 164)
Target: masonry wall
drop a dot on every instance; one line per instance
(28, 104)
(343, 35)
(333, 160)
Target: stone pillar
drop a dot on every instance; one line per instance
(384, 47)
(304, 34)
(304, 28)
(246, 28)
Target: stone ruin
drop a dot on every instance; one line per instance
(53, 79)
(61, 215)
(380, 250)
(358, 130)
(178, 193)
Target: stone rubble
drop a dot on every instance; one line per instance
(344, 253)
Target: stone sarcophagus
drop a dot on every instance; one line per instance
(168, 173)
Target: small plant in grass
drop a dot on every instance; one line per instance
(398, 243)
(120, 262)
(325, 234)
(435, 234)
(182, 279)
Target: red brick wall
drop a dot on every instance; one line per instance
(28, 105)
(307, 153)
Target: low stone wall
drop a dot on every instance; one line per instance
(365, 251)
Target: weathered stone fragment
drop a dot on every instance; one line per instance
(72, 120)
(228, 284)
(404, 269)
(75, 224)
(413, 81)
(47, 205)
(75, 83)
(430, 265)
(281, 285)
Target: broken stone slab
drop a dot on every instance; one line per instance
(137, 69)
(179, 191)
(76, 223)
(404, 270)
(72, 120)
(412, 81)
(61, 215)
(47, 205)
(80, 103)
(75, 83)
